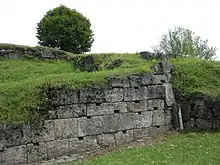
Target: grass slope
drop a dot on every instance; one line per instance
(177, 149)
(21, 81)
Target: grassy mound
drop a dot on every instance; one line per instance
(24, 81)
(176, 149)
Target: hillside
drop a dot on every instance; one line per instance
(24, 81)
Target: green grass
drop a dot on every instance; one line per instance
(177, 149)
(21, 81)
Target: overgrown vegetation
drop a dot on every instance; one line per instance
(24, 81)
(175, 149)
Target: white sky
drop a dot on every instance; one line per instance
(119, 25)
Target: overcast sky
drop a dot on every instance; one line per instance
(119, 25)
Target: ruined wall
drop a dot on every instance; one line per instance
(201, 114)
(93, 118)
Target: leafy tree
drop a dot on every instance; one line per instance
(65, 29)
(184, 42)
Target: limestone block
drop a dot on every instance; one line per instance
(57, 148)
(152, 79)
(135, 81)
(102, 109)
(159, 129)
(15, 155)
(216, 108)
(120, 107)
(144, 119)
(36, 152)
(155, 105)
(123, 137)
(82, 144)
(106, 140)
(112, 123)
(118, 82)
(63, 96)
(127, 121)
(90, 126)
(157, 91)
(133, 94)
(137, 106)
(114, 95)
(158, 118)
(70, 111)
(203, 124)
(66, 128)
(170, 98)
(141, 133)
(91, 95)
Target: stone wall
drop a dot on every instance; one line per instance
(201, 114)
(93, 118)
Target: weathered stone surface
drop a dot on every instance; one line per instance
(203, 124)
(118, 82)
(92, 126)
(36, 152)
(112, 123)
(137, 106)
(15, 155)
(120, 107)
(106, 140)
(66, 128)
(189, 124)
(152, 79)
(114, 95)
(91, 95)
(158, 118)
(216, 108)
(155, 105)
(141, 133)
(127, 121)
(159, 129)
(70, 111)
(185, 108)
(163, 68)
(169, 99)
(102, 109)
(123, 137)
(135, 81)
(57, 148)
(157, 92)
(63, 97)
(144, 119)
(134, 94)
(87, 143)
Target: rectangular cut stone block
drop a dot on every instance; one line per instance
(135, 81)
(114, 95)
(137, 106)
(106, 140)
(91, 95)
(157, 91)
(155, 104)
(120, 107)
(15, 155)
(144, 119)
(63, 96)
(133, 94)
(158, 118)
(170, 99)
(44, 133)
(118, 82)
(66, 128)
(70, 111)
(36, 153)
(127, 121)
(112, 123)
(141, 133)
(159, 130)
(92, 126)
(124, 137)
(152, 79)
(83, 144)
(57, 148)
